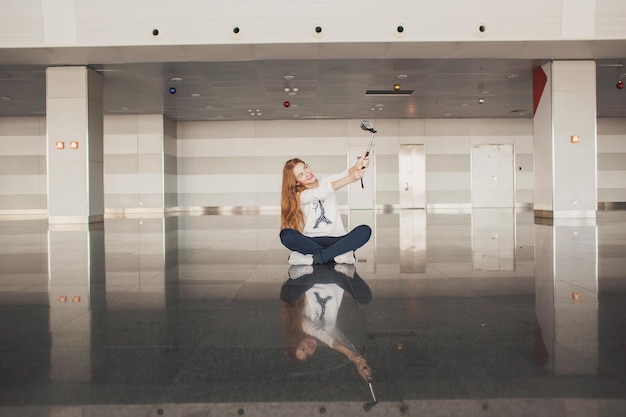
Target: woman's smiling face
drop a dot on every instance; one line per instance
(304, 175)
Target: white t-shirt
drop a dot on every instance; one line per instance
(320, 208)
(321, 321)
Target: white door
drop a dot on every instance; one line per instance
(412, 175)
(492, 176)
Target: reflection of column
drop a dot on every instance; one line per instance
(76, 278)
(412, 241)
(566, 257)
(493, 239)
(366, 255)
(142, 262)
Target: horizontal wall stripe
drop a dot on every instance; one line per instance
(611, 194)
(24, 202)
(23, 145)
(612, 143)
(145, 200)
(120, 164)
(448, 145)
(150, 163)
(22, 165)
(448, 196)
(448, 163)
(611, 179)
(134, 183)
(445, 181)
(386, 163)
(612, 162)
(23, 184)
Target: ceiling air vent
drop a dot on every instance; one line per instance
(389, 92)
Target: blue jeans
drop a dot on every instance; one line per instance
(325, 248)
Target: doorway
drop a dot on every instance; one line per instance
(493, 182)
(412, 175)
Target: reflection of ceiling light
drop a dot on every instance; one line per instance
(485, 92)
(177, 79)
(195, 95)
(402, 77)
(513, 76)
(5, 98)
(289, 77)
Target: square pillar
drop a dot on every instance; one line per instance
(565, 140)
(74, 137)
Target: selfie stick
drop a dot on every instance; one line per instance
(366, 125)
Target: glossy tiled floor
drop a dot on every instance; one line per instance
(484, 313)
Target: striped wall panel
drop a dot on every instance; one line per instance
(151, 163)
(133, 163)
(611, 160)
(23, 176)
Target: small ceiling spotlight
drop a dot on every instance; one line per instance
(619, 85)
(481, 100)
(291, 91)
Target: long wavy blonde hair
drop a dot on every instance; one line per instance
(290, 214)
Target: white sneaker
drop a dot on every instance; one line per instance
(297, 271)
(297, 258)
(347, 270)
(345, 258)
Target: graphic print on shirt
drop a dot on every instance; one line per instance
(322, 302)
(322, 217)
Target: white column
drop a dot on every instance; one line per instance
(565, 140)
(75, 136)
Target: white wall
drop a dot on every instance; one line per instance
(239, 163)
(87, 23)
(23, 177)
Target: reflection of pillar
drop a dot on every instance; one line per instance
(76, 278)
(412, 241)
(493, 239)
(566, 276)
(142, 263)
(366, 255)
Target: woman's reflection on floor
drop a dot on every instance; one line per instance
(311, 298)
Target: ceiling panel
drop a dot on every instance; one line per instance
(327, 88)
